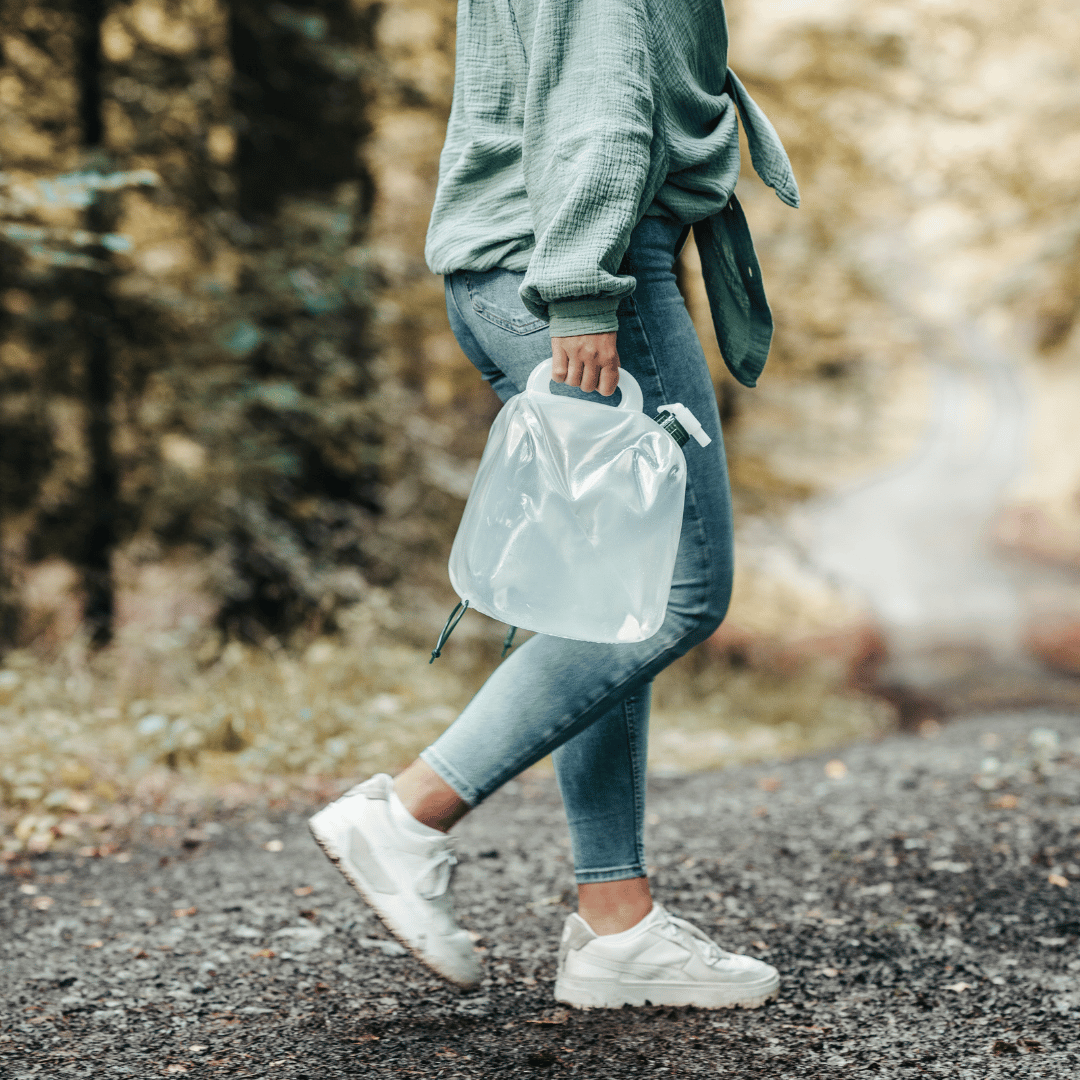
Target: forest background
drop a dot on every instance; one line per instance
(236, 433)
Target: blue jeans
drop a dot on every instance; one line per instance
(586, 703)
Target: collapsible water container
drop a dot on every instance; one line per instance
(572, 525)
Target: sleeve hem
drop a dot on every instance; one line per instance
(570, 318)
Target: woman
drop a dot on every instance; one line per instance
(586, 138)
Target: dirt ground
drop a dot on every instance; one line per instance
(920, 897)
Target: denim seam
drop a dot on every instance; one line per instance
(614, 873)
(521, 327)
(698, 522)
(635, 774)
(452, 292)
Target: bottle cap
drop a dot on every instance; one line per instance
(686, 422)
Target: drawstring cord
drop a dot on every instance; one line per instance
(448, 629)
(451, 624)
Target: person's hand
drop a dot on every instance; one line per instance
(589, 361)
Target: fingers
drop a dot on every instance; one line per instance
(588, 361)
(590, 377)
(574, 369)
(609, 379)
(559, 361)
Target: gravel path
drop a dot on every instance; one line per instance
(921, 902)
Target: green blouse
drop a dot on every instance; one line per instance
(571, 120)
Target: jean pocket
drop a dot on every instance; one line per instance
(494, 297)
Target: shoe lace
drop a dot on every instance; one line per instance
(710, 952)
(434, 877)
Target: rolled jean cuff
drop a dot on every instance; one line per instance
(462, 788)
(613, 873)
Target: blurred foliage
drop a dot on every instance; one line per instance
(195, 369)
(89, 732)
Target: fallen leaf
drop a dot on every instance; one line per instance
(1006, 802)
(1003, 1046)
(1032, 1046)
(175, 1069)
(958, 987)
(303, 890)
(273, 845)
(558, 1017)
(547, 901)
(1059, 881)
(183, 912)
(268, 953)
(95, 944)
(835, 769)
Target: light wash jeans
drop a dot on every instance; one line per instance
(587, 703)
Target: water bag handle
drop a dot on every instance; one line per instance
(632, 399)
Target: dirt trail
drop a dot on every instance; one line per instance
(925, 924)
(916, 540)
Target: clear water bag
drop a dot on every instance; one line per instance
(573, 521)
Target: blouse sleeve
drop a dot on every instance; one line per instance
(588, 134)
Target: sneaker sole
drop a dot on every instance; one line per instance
(331, 852)
(602, 994)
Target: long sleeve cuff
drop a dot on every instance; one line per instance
(569, 318)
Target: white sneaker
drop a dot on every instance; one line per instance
(661, 961)
(404, 878)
